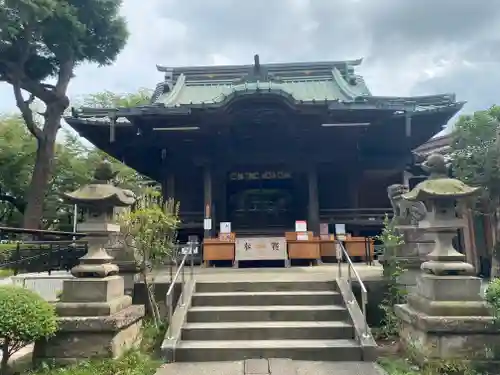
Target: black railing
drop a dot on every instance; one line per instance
(41, 256)
(47, 250)
(191, 219)
(365, 216)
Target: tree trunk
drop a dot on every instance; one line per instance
(43, 168)
(495, 258)
(4, 365)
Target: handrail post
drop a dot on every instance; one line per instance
(170, 308)
(183, 281)
(17, 259)
(191, 251)
(364, 302)
(339, 257)
(364, 293)
(349, 275)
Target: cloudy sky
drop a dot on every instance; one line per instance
(410, 47)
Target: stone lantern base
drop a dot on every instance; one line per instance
(445, 317)
(96, 319)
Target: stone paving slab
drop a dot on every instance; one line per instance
(275, 366)
(337, 368)
(202, 368)
(257, 366)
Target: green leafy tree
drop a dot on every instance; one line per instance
(74, 163)
(17, 154)
(42, 41)
(109, 99)
(127, 178)
(475, 158)
(150, 228)
(25, 317)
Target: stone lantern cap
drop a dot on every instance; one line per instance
(101, 192)
(439, 185)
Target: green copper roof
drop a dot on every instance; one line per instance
(299, 81)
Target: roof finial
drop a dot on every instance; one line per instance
(256, 60)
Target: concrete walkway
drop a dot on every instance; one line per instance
(307, 273)
(271, 367)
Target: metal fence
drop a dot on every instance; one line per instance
(42, 256)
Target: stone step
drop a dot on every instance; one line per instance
(274, 330)
(263, 298)
(264, 286)
(198, 314)
(311, 350)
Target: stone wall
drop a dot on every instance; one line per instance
(377, 288)
(140, 297)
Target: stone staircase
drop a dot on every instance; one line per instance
(229, 321)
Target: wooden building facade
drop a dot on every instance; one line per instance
(264, 145)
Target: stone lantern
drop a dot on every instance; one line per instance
(96, 318)
(440, 195)
(445, 315)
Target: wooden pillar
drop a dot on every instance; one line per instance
(313, 206)
(208, 202)
(354, 184)
(169, 192)
(222, 194)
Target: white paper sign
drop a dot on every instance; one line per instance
(207, 224)
(301, 226)
(225, 227)
(260, 248)
(323, 229)
(187, 249)
(302, 236)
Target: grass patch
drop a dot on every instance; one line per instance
(152, 337)
(401, 363)
(399, 366)
(6, 273)
(132, 363)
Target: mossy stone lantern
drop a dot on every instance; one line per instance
(98, 201)
(440, 195)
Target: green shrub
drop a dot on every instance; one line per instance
(24, 318)
(395, 294)
(152, 336)
(493, 297)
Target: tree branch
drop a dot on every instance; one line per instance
(27, 113)
(13, 74)
(64, 76)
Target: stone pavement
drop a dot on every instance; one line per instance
(307, 273)
(272, 366)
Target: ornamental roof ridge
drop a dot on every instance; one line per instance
(275, 68)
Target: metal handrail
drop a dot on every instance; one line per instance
(180, 272)
(350, 271)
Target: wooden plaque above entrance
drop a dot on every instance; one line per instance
(266, 175)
